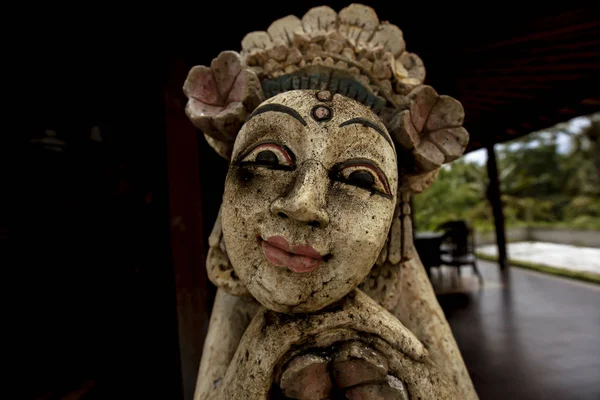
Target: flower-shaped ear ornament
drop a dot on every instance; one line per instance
(351, 53)
(220, 98)
(430, 131)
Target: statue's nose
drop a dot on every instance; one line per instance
(306, 201)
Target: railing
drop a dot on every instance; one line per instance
(587, 238)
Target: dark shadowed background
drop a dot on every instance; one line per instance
(121, 194)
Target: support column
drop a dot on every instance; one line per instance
(187, 241)
(494, 197)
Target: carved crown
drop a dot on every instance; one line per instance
(350, 53)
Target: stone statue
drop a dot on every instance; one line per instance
(328, 129)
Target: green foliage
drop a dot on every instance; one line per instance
(541, 185)
(458, 193)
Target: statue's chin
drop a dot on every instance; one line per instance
(290, 303)
(282, 290)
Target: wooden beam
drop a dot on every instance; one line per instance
(494, 197)
(191, 281)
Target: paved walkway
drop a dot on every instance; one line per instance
(551, 254)
(535, 337)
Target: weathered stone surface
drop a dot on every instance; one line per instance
(381, 70)
(231, 118)
(381, 391)
(403, 130)
(228, 322)
(219, 97)
(433, 131)
(447, 113)
(422, 99)
(225, 70)
(390, 36)
(279, 50)
(428, 157)
(424, 316)
(333, 46)
(449, 142)
(319, 19)
(417, 183)
(253, 208)
(284, 28)
(357, 363)
(307, 377)
(311, 204)
(382, 254)
(219, 268)
(414, 65)
(294, 56)
(366, 63)
(260, 39)
(357, 22)
(269, 340)
(314, 49)
(395, 246)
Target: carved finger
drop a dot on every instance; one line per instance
(307, 378)
(392, 389)
(357, 363)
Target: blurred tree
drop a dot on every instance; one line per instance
(551, 177)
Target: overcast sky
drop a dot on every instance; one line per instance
(576, 125)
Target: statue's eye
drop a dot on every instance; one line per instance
(363, 174)
(270, 155)
(361, 178)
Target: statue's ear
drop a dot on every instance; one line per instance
(219, 268)
(383, 282)
(399, 244)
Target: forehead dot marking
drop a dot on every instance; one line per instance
(321, 113)
(324, 95)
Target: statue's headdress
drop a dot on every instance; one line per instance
(350, 53)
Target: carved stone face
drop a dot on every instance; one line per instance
(309, 199)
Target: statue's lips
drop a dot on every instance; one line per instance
(301, 258)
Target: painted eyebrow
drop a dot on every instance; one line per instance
(278, 108)
(369, 124)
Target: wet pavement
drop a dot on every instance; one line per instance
(533, 336)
